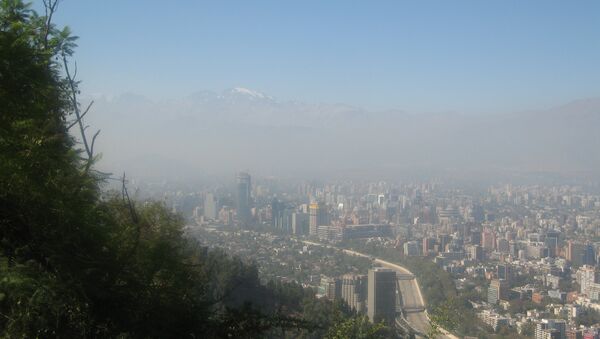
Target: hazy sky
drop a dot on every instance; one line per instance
(419, 56)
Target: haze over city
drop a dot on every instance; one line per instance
(314, 88)
(300, 170)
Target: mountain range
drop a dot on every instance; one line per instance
(239, 128)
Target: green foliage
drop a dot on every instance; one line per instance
(588, 317)
(522, 306)
(447, 315)
(76, 263)
(358, 327)
(528, 330)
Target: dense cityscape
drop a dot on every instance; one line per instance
(522, 259)
(299, 170)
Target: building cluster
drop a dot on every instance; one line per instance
(373, 294)
(529, 244)
(365, 289)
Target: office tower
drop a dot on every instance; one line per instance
(210, 206)
(476, 252)
(504, 272)
(287, 220)
(497, 291)
(550, 329)
(513, 248)
(478, 213)
(488, 240)
(428, 244)
(276, 213)
(552, 241)
(443, 241)
(317, 217)
(589, 255)
(331, 288)
(382, 295)
(476, 237)
(313, 212)
(411, 248)
(243, 189)
(575, 253)
(354, 291)
(588, 278)
(503, 245)
(300, 223)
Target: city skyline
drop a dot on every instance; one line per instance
(377, 170)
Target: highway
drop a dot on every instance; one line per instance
(413, 303)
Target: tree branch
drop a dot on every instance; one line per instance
(94, 141)
(127, 200)
(50, 8)
(82, 115)
(75, 104)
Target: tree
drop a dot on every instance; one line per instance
(79, 262)
(359, 327)
(528, 329)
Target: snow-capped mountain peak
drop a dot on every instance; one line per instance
(241, 91)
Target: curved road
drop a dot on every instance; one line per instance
(412, 299)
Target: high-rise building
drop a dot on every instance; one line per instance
(476, 252)
(575, 253)
(589, 255)
(550, 329)
(497, 291)
(243, 195)
(210, 206)
(281, 217)
(503, 245)
(317, 217)
(354, 291)
(331, 288)
(428, 244)
(276, 214)
(300, 223)
(411, 248)
(504, 272)
(443, 241)
(478, 213)
(382, 295)
(588, 278)
(475, 237)
(488, 240)
(552, 241)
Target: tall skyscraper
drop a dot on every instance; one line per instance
(411, 248)
(382, 295)
(588, 278)
(276, 213)
(576, 253)
(243, 189)
(317, 217)
(428, 244)
(552, 241)
(497, 291)
(354, 291)
(331, 288)
(504, 272)
(488, 240)
(210, 206)
(476, 252)
(300, 223)
(589, 255)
